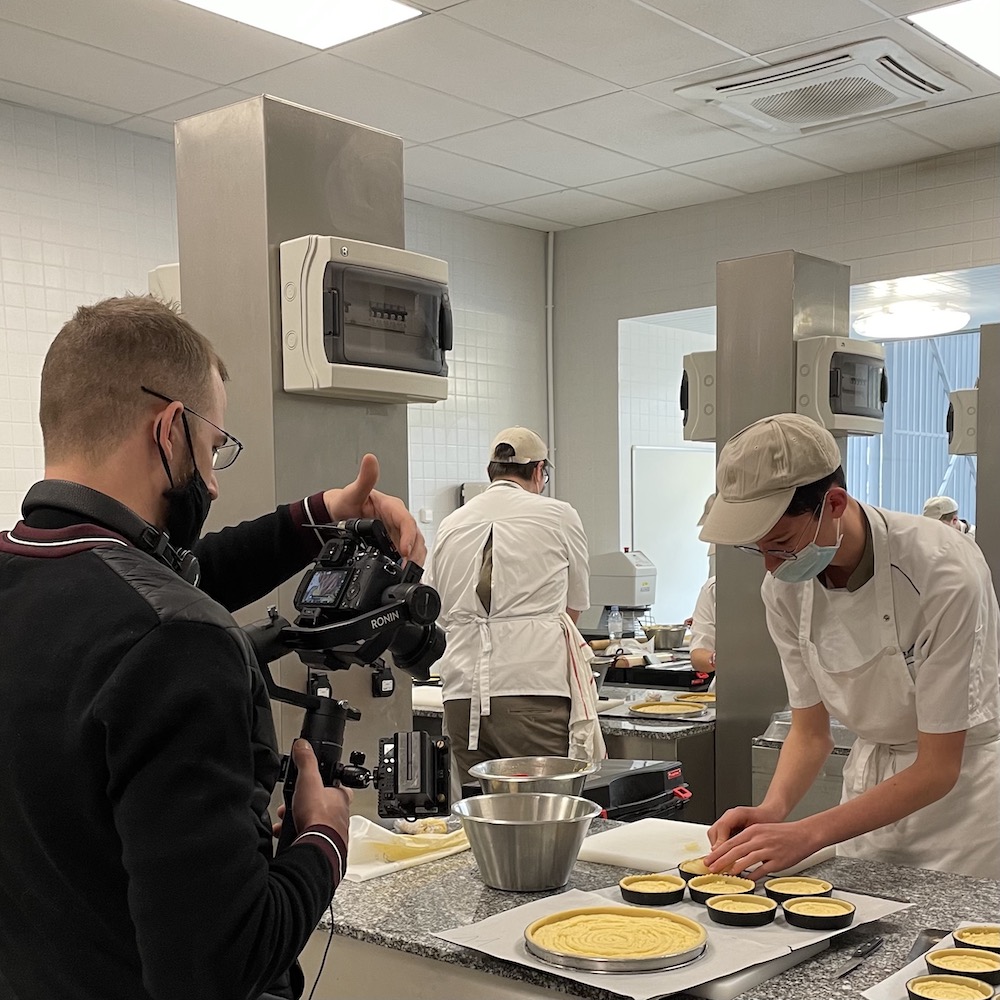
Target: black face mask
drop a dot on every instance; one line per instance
(187, 505)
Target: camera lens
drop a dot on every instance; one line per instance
(416, 647)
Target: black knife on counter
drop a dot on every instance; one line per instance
(859, 954)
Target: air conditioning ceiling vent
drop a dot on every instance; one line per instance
(861, 80)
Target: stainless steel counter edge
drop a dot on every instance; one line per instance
(401, 911)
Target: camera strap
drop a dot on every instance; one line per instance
(79, 500)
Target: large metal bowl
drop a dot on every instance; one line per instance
(563, 775)
(525, 842)
(665, 636)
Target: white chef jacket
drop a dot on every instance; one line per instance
(540, 568)
(914, 648)
(703, 619)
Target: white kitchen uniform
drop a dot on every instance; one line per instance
(703, 621)
(540, 568)
(914, 648)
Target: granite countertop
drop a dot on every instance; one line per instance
(401, 911)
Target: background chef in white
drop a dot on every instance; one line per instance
(512, 570)
(889, 624)
(945, 510)
(702, 620)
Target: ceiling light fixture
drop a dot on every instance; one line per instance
(319, 23)
(909, 320)
(971, 27)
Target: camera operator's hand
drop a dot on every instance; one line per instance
(313, 803)
(361, 499)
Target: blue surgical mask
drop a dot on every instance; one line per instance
(810, 561)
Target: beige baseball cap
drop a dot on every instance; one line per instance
(528, 446)
(708, 507)
(938, 507)
(759, 471)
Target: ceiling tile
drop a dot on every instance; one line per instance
(434, 4)
(353, 91)
(148, 126)
(496, 214)
(59, 104)
(448, 201)
(647, 45)
(754, 27)
(439, 170)
(209, 101)
(37, 59)
(965, 125)
(521, 146)
(864, 147)
(900, 7)
(663, 190)
(576, 208)
(166, 33)
(757, 170)
(445, 55)
(645, 129)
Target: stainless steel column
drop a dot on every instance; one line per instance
(988, 444)
(248, 177)
(764, 304)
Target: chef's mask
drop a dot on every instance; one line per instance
(810, 561)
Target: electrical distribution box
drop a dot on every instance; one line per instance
(363, 321)
(963, 421)
(698, 396)
(841, 383)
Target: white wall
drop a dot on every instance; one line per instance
(939, 214)
(497, 370)
(87, 210)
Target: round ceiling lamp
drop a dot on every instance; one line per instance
(909, 320)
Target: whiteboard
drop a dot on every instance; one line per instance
(669, 489)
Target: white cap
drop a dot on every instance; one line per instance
(528, 446)
(708, 507)
(759, 470)
(938, 507)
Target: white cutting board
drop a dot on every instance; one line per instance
(651, 845)
(654, 845)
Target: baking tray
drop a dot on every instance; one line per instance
(655, 963)
(694, 712)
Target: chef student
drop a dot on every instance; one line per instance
(885, 622)
(703, 620)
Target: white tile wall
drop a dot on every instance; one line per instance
(939, 214)
(497, 369)
(85, 212)
(650, 366)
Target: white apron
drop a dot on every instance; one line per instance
(877, 701)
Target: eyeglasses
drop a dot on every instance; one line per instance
(783, 554)
(545, 475)
(223, 455)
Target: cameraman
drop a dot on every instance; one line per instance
(140, 752)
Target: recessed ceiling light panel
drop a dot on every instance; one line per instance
(971, 27)
(910, 320)
(320, 23)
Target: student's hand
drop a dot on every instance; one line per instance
(361, 499)
(764, 847)
(313, 804)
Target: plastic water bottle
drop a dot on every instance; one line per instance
(614, 624)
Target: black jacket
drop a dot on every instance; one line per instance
(139, 757)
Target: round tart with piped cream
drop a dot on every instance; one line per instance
(653, 883)
(616, 933)
(985, 936)
(793, 886)
(948, 988)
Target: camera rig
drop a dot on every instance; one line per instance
(357, 602)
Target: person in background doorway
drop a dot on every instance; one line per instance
(512, 570)
(885, 622)
(945, 510)
(136, 847)
(703, 619)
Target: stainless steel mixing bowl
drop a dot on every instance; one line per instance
(525, 842)
(564, 775)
